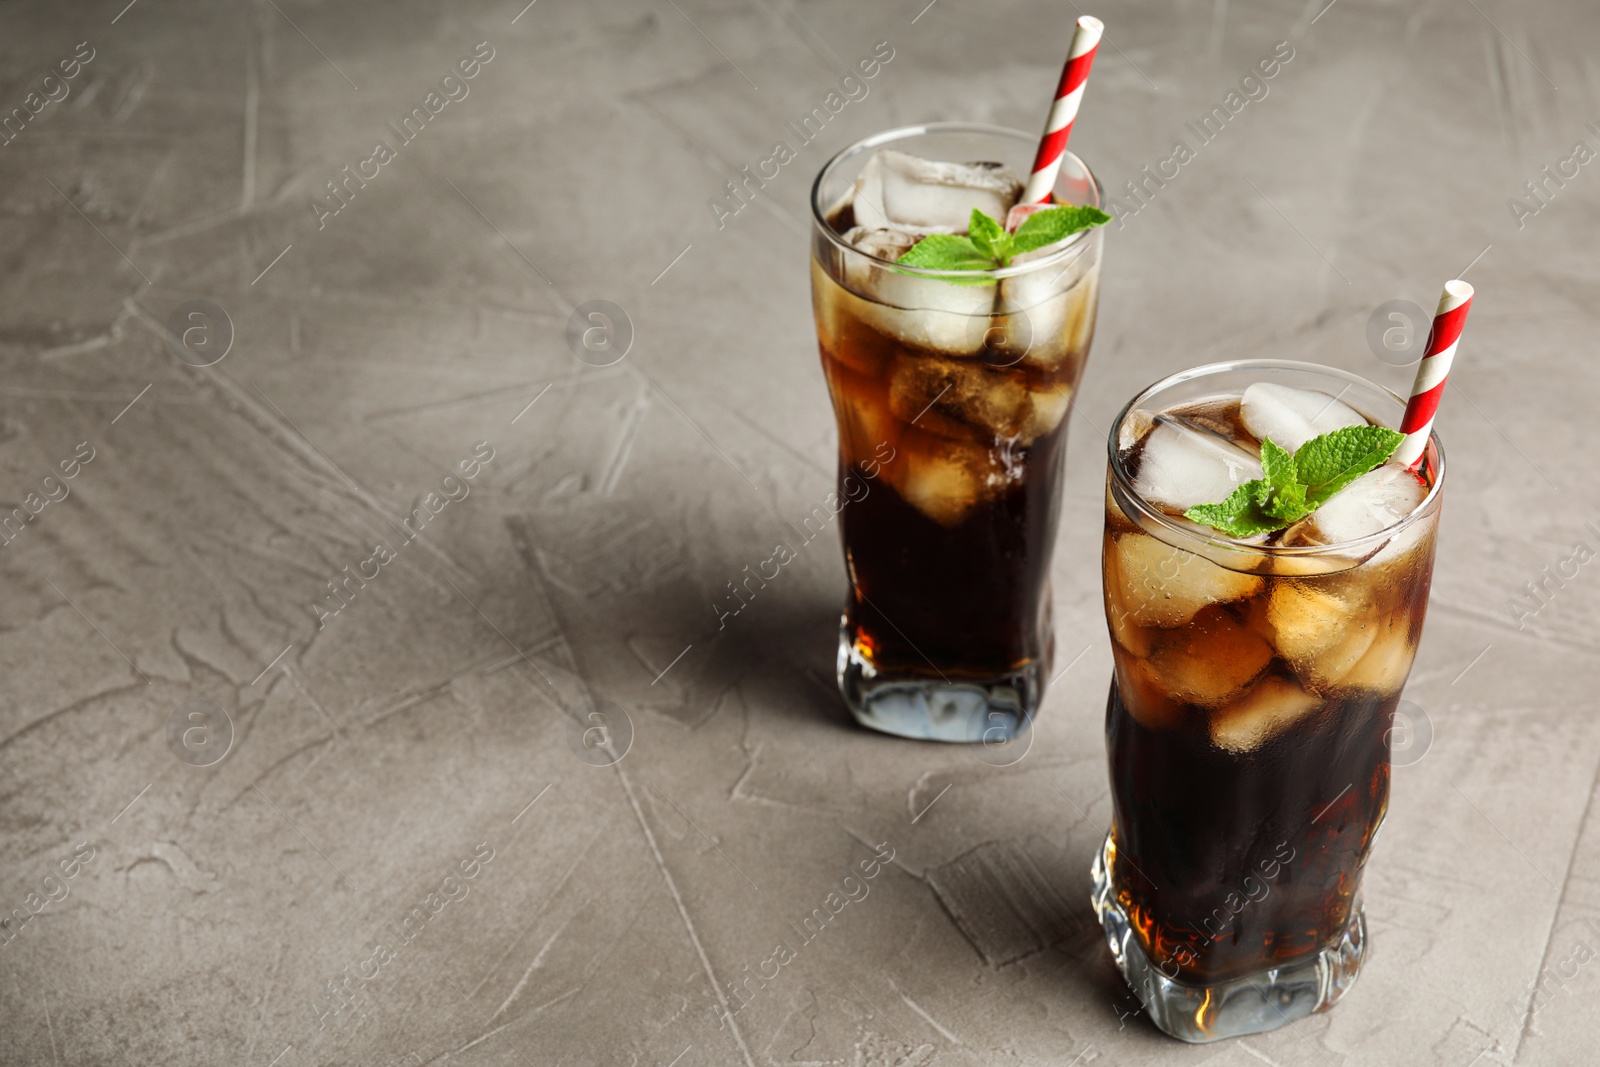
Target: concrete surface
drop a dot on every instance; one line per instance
(380, 755)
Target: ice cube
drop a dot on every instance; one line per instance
(1122, 597)
(1160, 585)
(1053, 307)
(907, 192)
(1404, 550)
(1070, 346)
(1291, 417)
(1388, 661)
(1126, 629)
(1184, 464)
(954, 397)
(865, 426)
(929, 313)
(947, 481)
(1117, 521)
(1031, 288)
(1321, 629)
(845, 325)
(1210, 661)
(1049, 408)
(1142, 695)
(1372, 503)
(926, 312)
(1271, 706)
(1137, 423)
(930, 391)
(1299, 566)
(883, 243)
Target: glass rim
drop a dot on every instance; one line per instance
(1342, 548)
(899, 133)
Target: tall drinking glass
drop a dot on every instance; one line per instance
(1249, 715)
(951, 391)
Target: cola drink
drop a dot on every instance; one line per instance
(952, 401)
(1255, 685)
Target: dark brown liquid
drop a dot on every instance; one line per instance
(972, 599)
(1232, 864)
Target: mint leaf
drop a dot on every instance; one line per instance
(1326, 464)
(946, 251)
(1282, 496)
(988, 235)
(1052, 224)
(1292, 486)
(1238, 516)
(1277, 465)
(987, 245)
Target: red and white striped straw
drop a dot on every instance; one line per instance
(1417, 423)
(1069, 94)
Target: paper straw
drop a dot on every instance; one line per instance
(1417, 422)
(1069, 94)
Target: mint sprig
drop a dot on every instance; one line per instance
(1292, 486)
(947, 251)
(1052, 224)
(1283, 496)
(1239, 515)
(1328, 463)
(987, 235)
(987, 245)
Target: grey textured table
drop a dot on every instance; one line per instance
(401, 857)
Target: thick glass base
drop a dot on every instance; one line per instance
(991, 710)
(1253, 1004)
